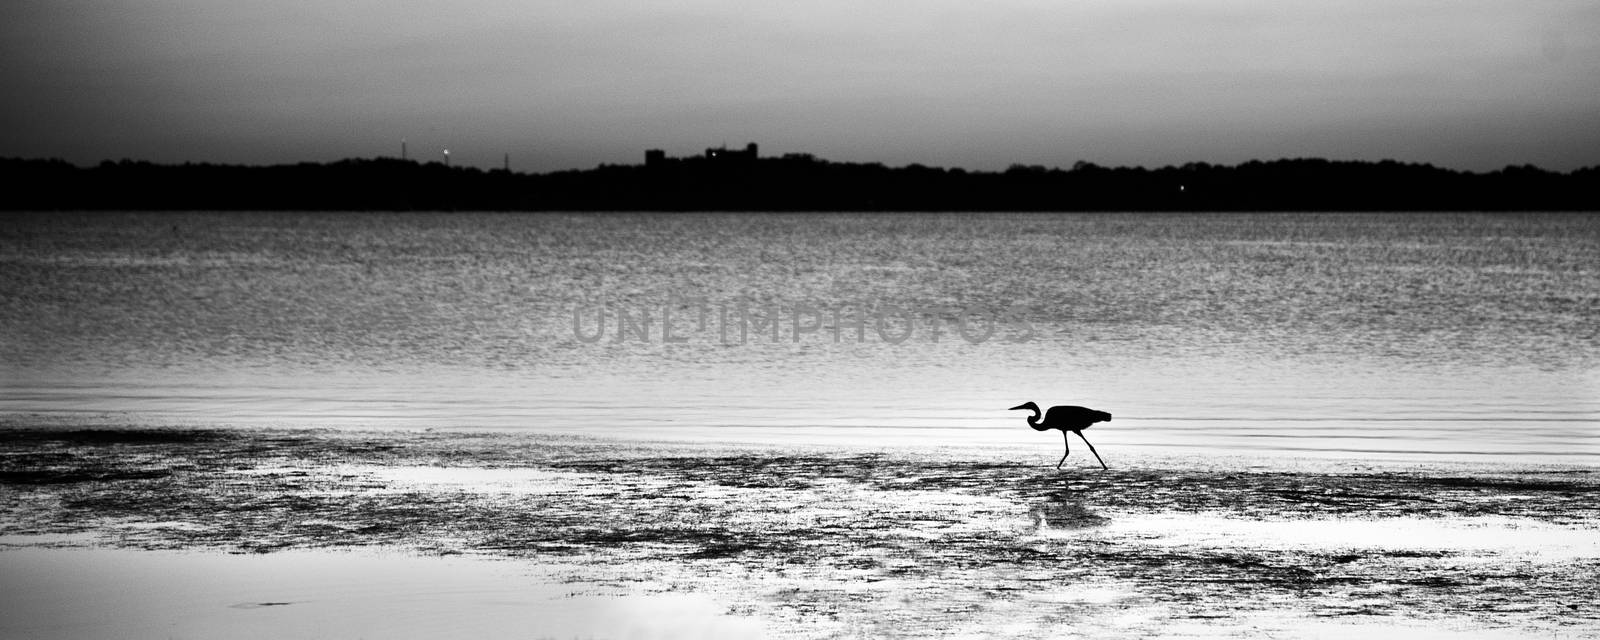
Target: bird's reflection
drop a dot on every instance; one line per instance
(1063, 509)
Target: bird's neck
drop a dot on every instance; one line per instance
(1033, 421)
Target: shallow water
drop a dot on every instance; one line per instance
(84, 594)
(1377, 336)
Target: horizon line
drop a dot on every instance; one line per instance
(796, 156)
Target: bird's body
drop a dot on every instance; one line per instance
(1065, 418)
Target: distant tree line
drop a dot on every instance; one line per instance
(794, 182)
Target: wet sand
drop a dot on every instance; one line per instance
(595, 538)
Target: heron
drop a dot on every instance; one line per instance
(1066, 418)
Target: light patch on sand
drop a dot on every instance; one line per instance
(519, 480)
(1085, 593)
(1304, 628)
(176, 526)
(1530, 538)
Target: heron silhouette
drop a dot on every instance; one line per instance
(1066, 418)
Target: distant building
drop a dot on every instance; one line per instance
(725, 154)
(718, 155)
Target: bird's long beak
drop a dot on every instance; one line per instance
(1020, 406)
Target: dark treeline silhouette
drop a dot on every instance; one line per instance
(794, 182)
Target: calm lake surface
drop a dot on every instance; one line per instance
(1455, 337)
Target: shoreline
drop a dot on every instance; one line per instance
(823, 542)
(1025, 449)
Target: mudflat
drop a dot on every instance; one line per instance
(801, 542)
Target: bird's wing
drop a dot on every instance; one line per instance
(1067, 413)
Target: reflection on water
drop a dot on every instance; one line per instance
(1455, 335)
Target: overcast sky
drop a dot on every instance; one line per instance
(1469, 84)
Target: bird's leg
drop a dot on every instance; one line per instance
(1091, 450)
(1069, 449)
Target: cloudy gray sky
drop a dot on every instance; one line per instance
(1472, 84)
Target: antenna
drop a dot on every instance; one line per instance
(402, 148)
(508, 163)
